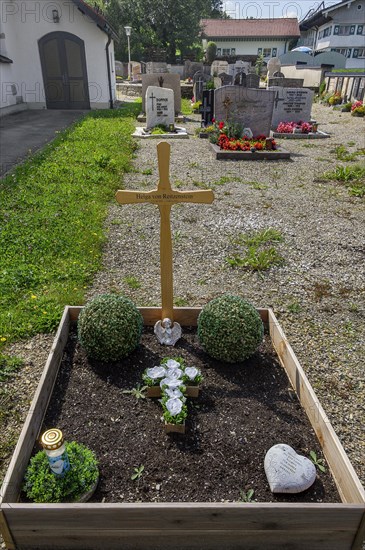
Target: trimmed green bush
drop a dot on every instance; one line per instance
(42, 485)
(109, 327)
(230, 329)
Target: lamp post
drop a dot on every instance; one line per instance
(128, 33)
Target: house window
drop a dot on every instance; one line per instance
(274, 52)
(352, 29)
(233, 51)
(259, 51)
(219, 52)
(359, 53)
(344, 30)
(267, 52)
(327, 31)
(360, 29)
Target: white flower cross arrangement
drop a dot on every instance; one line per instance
(172, 376)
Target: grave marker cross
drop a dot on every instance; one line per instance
(165, 198)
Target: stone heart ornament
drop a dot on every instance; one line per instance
(288, 472)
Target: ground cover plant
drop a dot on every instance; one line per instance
(256, 250)
(53, 208)
(352, 176)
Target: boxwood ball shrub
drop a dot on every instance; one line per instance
(230, 329)
(109, 327)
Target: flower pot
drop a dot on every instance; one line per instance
(175, 428)
(192, 391)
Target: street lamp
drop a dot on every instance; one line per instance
(128, 33)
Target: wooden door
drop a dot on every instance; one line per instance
(64, 71)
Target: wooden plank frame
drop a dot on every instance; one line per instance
(179, 526)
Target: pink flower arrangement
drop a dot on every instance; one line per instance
(356, 105)
(289, 127)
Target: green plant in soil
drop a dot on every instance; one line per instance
(147, 172)
(159, 129)
(352, 176)
(137, 472)
(42, 485)
(180, 302)
(259, 254)
(53, 209)
(318, 462)
(246, 496)
(109, 327)
(138, 392)
(294, 307)
(186, 108)
(230, 329)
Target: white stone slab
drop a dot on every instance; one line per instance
(159, 107)
(288, 472)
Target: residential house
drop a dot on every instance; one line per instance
(337, 28)
(55, 55)
(247, 38)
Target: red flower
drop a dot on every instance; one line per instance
(221, 125)
(213, 119)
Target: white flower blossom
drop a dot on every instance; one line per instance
(171, 382)
(172, 364)
(174, 373)
(173, 392)
(156, 372)
(174, 406)
(191, 372)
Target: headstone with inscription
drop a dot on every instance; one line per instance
(159, 107)
(291, 105)
(136, 71)
(288, 472)
(286, 82)
(165, 80)
(251, 107)
(227, 79)
(156, 67)
(218, 67)
(206, 109)
(191, 67)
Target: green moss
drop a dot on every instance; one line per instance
(109, 327)
(230, 329)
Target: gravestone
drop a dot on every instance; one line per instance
(217, 82)
(165, 197)
(226, 79)
(291, 105)
(286, 82)
(199, 81)
(120, 69)
(241, 67)
(156, 67)
(273, 65)
(171, 81)
(207, 107)
(251, 107)
(278, 74)
(218, 67)
(136, 71)
(159, 107)
(240, 79)
(253, 80)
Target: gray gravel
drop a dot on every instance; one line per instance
(318, 293)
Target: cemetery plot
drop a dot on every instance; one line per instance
(332, 526)
(278, 154)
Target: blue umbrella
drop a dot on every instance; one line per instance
(303, 49)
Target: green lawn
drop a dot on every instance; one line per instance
(51, 220)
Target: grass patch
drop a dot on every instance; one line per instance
(259, 253)
(180, 302)
(52, 213)
(186, 106)
(353, 177)
(343, 154)
(132, 282)
(9, 366)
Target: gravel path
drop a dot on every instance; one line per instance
(318, 293)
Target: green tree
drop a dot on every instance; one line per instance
(167, 24)
(211, 51)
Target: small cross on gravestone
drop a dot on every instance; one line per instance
(165, 197)
(206, 109)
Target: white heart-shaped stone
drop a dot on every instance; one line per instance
(288, 472)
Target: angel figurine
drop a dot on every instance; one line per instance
(167, 333)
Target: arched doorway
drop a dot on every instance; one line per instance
(64, 71)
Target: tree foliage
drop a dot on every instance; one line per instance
(171, 25)
(211, 51)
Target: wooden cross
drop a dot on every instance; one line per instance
(165, 198)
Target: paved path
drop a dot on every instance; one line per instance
(27, 131)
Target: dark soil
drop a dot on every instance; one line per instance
(242, 410)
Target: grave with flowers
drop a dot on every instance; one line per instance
(299, 130)
(241, 130)
(247, 433)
